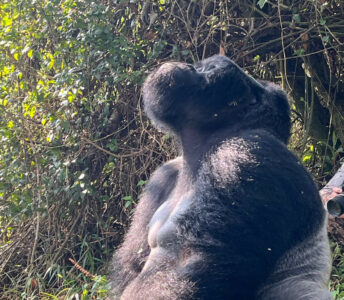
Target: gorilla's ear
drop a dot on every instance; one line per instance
(278, 100)
(283, 113)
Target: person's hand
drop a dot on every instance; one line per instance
(335, 192)
(328, 195)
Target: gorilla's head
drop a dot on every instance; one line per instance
(214, 94)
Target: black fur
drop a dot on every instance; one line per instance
(236, 216)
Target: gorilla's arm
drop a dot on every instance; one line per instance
(295, 220)
(266, 224)
(130, 258)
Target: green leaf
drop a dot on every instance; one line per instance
(300, 52)
(297, 18)
(141, 182)
(30, 53)
(261, 3)
(306, 158)
(10, 124)
(325, 39)
(32, 111)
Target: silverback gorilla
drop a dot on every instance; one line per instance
(236, 216)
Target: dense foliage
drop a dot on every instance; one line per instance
(76, 149)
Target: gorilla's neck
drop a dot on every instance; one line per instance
(195, 146)
(197, 143)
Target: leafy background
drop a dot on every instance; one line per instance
(76, 149)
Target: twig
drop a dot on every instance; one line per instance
(108, 152)
(81, 269)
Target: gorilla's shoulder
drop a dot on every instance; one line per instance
(166, 173)
(255, 155)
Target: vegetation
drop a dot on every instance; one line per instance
(76, 149)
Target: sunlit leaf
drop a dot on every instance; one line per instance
(32, 111)
(30, 53)
(261, 3)
(10, 124)
(307, 158)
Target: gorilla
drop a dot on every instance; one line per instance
(236, 216)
